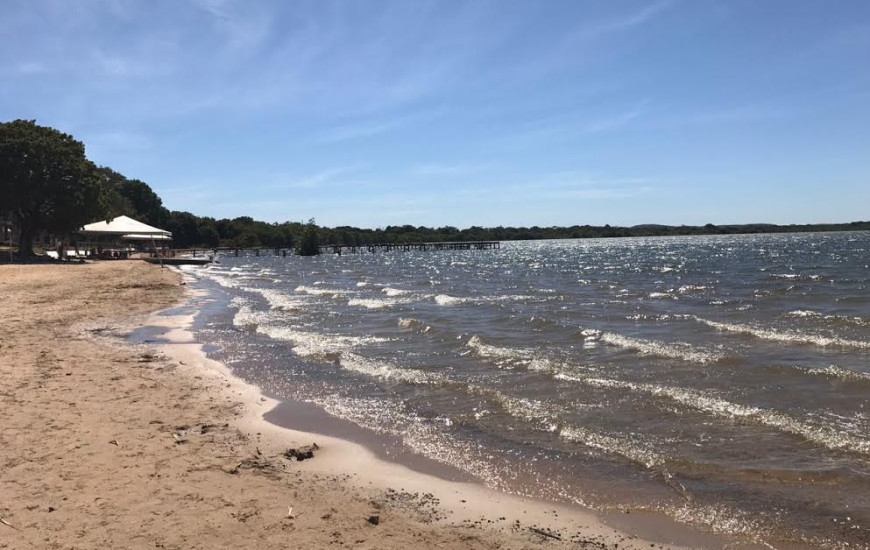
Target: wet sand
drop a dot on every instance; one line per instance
(107, 444)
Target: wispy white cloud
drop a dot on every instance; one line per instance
(371, 126)
(618, 120)
(638, 18)
(448, 170)
(565, 126)
(347, 132)
(313, 181)
(217, 8)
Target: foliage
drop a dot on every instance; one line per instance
(46, 182)
(309, 245)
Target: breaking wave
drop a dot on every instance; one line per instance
(787, 337)
(372, 303)
(853, 320)
(833, 371)
(684, 352)
(824, 436)
(445, 300)
(333, 292)
(395, 291)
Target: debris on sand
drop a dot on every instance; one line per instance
(301, 453)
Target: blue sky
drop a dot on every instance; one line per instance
(376, 113)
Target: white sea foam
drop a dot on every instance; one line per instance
(804, 313)
(386, 371)
(684, 352)
(341, 350)
(248, 317)
(308, 343)
(685, 289)
(795, 276)
(373, 303)
(591, 333)
(523, 357)
(445, 300)
(333, 292)
(506, 298)
(787, 337)
(278, 300)
(495, 352)
(222, 280)
(395, 291)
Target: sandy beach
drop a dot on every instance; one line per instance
(113, 445)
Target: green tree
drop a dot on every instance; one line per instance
(309, 245)
(46, 182)
(133, 198)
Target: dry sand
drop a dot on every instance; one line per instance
(104, 444)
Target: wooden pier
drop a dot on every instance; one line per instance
(341, 248)
(407, 247)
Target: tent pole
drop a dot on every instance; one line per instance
(153, 243)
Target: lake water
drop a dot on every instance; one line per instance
(722, 380)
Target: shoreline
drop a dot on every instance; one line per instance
(385, 461)
(109, 443)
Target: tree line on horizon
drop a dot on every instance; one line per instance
(48, 184)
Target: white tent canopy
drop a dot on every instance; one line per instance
(125, 227)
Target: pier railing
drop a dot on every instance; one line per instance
(406, 247)
(342, 248)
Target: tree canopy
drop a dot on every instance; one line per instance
(309, 244)
(46, 181)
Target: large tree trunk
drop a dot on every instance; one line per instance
(25, 237)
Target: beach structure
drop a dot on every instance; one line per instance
(127, 228)
(123, 228)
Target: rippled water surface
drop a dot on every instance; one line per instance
(721, 380)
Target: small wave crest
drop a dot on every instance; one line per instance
(395, 291)
(504, 356)
(853, 320)
(822, 435)
(684, 352)
(628, 448)
(409, 323)
(445, 300)
(833, 371)
(795, 277)
(787, 337)
(339, 350)
(313, 291)
(372, 303)
(246, 316)
(386, 371)
(277, 300)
